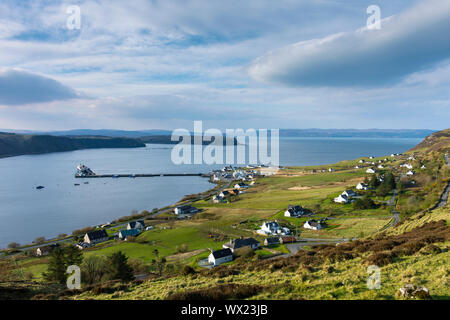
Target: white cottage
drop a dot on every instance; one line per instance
(220, 256)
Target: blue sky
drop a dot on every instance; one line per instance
(251, 64)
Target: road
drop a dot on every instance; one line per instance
(444, 197)
(395, 213)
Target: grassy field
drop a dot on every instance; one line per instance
(347, 280)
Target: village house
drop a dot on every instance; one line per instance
(380, 166)
(228, 193)
(362, 186)
(357, 167)
(410, 173)
(349, 193)
(96, 236)
(362, 161)
(139, 224)
(370, 170)
(341, 199)
(240, 185)
(240, 243)
(271, 241)
(124, 234)
(185, 210)
(218, 257)
(273, 228)
(43, 251)
(294, 211)
(313, 225)
(331, 170)
(218, 199)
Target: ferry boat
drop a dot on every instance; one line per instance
(83, 171)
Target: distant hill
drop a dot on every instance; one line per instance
(342, 133)
(437, 141)
(356, 133)
(167, 139)
(16, 144)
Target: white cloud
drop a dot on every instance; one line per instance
(409, 42)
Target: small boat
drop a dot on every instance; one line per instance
(40, 187)
(87, 182)
(76, 184)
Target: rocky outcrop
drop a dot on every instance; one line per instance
(411, 291)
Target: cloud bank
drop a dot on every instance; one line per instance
(19, 87)
(414, 40)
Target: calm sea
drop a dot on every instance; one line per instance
(61, 207)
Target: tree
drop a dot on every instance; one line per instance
(56, 270)
(364, 203)
(93, 269)
(383, 190)
(374, 182)
(13, 245)
(118, 267)
(60, 259)
(39, 240)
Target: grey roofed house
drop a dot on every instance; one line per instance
(241, 243)
(270, 241)
(186, 209)
(139, 224)
(222, 253)
(349, 193)
(96, 236)
(43, 251)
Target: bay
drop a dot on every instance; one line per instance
(61, 207)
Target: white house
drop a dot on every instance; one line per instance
(341, 199)
(380, 166)
(236, 244)
(96, 236)
(331, 170)
(313, 225)
(423, 167)
(185, 210)
(139, 224)
(362, 186)
(362, 161)
(220, 256)
(218, 199)
(410, 173)
(240, 185)
(357, 167)
(370, 170)
(294, 211)
(273, 228)
(349, 193)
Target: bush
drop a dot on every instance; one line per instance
(364, 203)
(187, 270)
(221, 292)
(381, 259)
(13, 245)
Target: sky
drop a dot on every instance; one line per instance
(161, 64)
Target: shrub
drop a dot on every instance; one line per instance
(187, 270)
(380, 259)
(220, 292)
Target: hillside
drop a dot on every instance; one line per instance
(17, 144)
(405, 233)
(438, 141)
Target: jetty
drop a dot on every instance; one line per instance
(142, 175)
